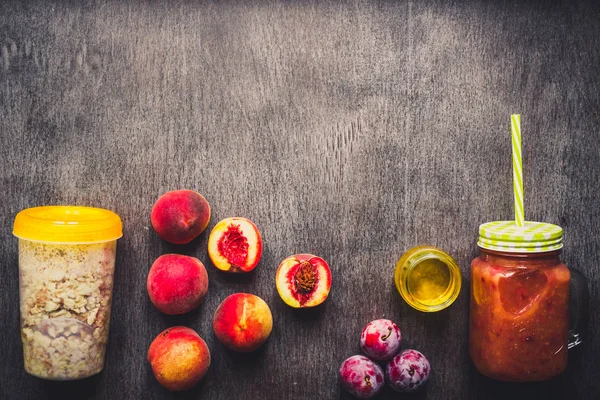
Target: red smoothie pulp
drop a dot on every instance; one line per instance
(519, 315)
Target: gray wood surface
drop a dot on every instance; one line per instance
(352, 130)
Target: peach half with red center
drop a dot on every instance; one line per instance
(243, 322)
(179, 358)
(176, 283)
(303, 280)
(235, 245)
(180, 216)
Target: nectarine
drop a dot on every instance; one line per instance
(179, 358)
(180, 216)
(176, 283)
(235, 245)
(303, 280)
(243, 322)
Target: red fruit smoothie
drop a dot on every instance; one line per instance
(519, 315)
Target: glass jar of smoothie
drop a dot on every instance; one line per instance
(519, 318)
(66, 266)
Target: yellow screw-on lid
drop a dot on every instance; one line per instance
(67, 224)
(532, 237)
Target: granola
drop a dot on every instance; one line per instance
(65, 307)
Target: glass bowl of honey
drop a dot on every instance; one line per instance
(428, 278)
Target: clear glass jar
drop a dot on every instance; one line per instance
(427, 278)
(520, 296)
(519, 320)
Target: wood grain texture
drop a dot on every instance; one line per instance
(352, 130)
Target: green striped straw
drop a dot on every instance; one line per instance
(515, 126)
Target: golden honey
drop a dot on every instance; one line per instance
(427, 278)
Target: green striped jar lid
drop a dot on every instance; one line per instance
(532, 237)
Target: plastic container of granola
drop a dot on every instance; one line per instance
(66, 269)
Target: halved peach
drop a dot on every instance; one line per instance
(303, 280)
(235, 245)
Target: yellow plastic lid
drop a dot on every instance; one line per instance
(67, 224)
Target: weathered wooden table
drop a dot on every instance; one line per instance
(352, 130)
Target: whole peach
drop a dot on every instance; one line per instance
(179, 216)
(179, 358)
(243, 322)
(176, 283)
